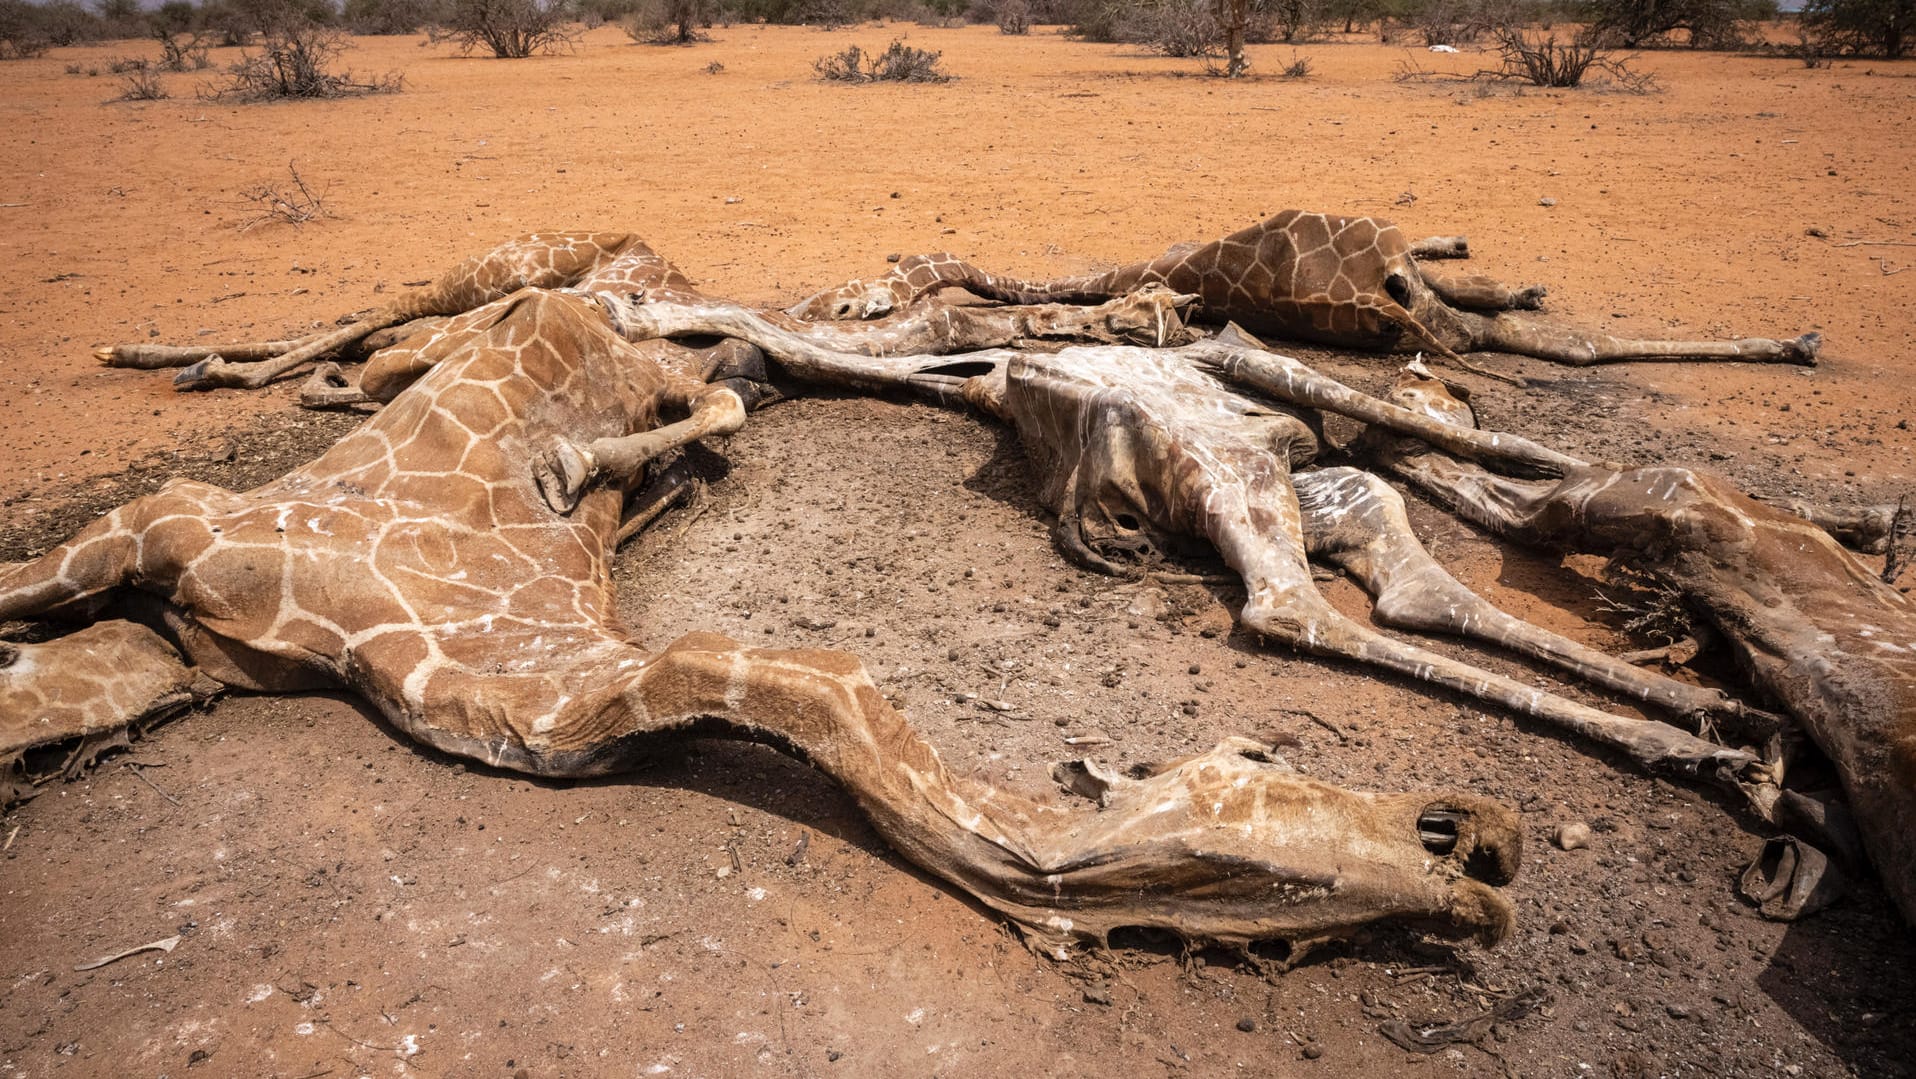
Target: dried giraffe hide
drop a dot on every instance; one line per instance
(420, 562)
(1350, 282)
(410, 334)
(1133, 444)
(1811, 624)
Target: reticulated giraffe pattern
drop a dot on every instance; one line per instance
(450, 560)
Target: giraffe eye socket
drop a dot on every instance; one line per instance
(1398, 286)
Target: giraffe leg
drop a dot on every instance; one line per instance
(1482, 293)
(328, 387)
(1357, 522)
(153, 357)
(565, 468)
(1440, 247)
(538, 261)
(101, 557)
(1546, 339)
(1230, 845)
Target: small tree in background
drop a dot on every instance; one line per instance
(510, 29)
(21, 36)
(377, 17)
(669, 22)
(1709, 23)
(1876, 27)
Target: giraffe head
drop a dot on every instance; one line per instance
(1234, 846)
(850, 301)
(1344, 280)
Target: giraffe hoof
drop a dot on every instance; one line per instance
(198, 376)
(1804, 349)
(107, 356)
(1531, 298)
(562, 472)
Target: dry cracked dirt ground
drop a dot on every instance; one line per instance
(350, 904)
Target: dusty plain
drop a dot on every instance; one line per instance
(349, 904)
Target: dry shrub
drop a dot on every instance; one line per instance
(1014, 17)
(1545, 61)
(295, 61)
(898, 63)
(21, 35)
(509, 29)
(293, 203)
(182, 52)
(668, 22)
(142, 84)
(1298, 68)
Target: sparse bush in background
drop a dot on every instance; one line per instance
(1013, 17)
(510, 29)
(67, 23)
(296, 62)
(898, 63)
(142, 84)
(121, 19)
(669, 22)
(1288, 21)
(180, 45)
(1179, 28)
(21, 33)
(1709, 24)
(388, 17)
(1860, 27)
(1298, 68)
(1542, 60)
(1449, 22)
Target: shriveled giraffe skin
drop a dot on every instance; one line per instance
(422, 563)
(410, 334)
(1808, 621)
(1351, 282)
(1133, 445)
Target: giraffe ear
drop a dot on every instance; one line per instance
(1236, 335)
(1086, 778)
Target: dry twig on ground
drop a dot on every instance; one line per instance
(295, 205)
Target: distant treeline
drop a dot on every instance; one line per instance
(1829, 27)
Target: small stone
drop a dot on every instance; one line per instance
(1572, 835)
(1097, 994)
(1546, 201)
(1247, 1024)
(1194, 669)
(1313, 1051)
(832, 1055)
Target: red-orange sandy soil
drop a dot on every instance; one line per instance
(350, 904)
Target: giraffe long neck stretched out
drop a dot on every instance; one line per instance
(451, 561)
(1351, 282)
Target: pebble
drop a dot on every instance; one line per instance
(1313, 1051)
(1546, 201)
(1247, 1024)
(1572, 835)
